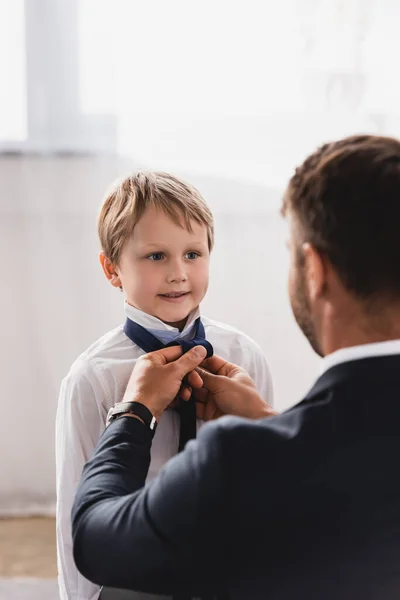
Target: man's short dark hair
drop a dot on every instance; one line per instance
(346, 199)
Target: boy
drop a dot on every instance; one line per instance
(156, 234)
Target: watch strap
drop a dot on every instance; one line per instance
(133, 408)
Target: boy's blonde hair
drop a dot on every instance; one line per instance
(127, 201)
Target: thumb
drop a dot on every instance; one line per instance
(189, 361)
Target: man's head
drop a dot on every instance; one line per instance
(156, 234)
(343, 208)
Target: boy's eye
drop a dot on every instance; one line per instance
(156, 256)
(192, 255)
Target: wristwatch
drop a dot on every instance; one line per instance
(133, 408)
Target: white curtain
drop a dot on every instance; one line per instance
(222, 87)
(229, 94)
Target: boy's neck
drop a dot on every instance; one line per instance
(145, 319)
(180, 325)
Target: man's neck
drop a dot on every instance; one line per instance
(360, 328)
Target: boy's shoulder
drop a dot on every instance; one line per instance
(110, 352)
(239, 348)
(228, 334)
(105, 346)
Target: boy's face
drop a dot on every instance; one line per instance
(164, 269)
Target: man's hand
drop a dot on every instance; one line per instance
(228, 389)
(157, 378)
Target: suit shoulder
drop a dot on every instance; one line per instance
(246, 433)
(287, 430)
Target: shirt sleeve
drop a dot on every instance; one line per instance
(256, 365)
(79, 423)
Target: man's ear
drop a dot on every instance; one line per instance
(314, 271)
(109, 271)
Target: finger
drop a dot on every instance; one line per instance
(211, 412)
(185, 392)
(210, 381)
(200, 395)
(194, 379)
(200, 408)
(189, 361)
(166, 355)
(214, 364)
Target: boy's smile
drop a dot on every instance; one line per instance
(164, 267)
(174, 296)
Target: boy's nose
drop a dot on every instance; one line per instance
(177, 273)
(177, 277)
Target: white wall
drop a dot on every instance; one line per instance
(55, 301)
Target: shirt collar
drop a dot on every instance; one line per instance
(357, 352)
(160, 329)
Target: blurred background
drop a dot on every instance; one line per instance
(230, 95)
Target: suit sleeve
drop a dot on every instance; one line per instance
(162, 538)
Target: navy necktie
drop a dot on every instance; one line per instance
(187, 410)
(149, 343)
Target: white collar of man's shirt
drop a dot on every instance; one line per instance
(357, 352)
(163, 331)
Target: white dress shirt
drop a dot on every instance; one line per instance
(358, 352)
(96, 381)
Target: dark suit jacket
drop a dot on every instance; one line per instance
(304, 505)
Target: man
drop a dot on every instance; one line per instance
(301, 505)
